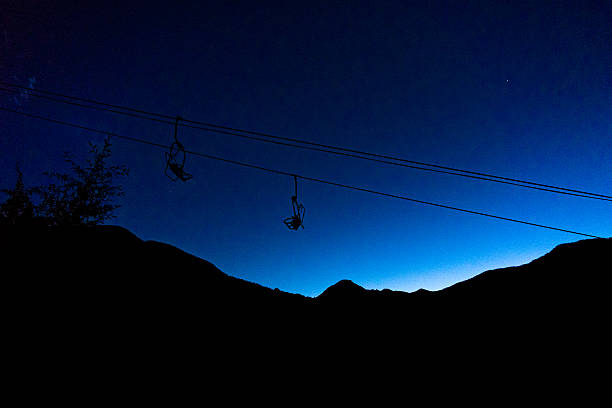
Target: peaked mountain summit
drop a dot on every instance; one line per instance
(343, 289)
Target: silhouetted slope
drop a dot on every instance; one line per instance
(108, 287)
(568, 284)
(94, 312)
(111, 261)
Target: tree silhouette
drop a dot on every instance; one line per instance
(18, 208)
(83, 197)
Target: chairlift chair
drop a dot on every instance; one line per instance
(176, 166)
(297, 220)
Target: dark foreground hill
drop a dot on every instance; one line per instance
(92, 296)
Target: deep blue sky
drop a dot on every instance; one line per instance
(518, 89)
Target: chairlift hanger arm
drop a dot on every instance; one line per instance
(176, 125)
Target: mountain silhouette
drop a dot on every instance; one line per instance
(100, 296)
(93, 265)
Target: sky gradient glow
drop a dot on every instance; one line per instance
(517, 89)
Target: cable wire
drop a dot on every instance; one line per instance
(350, 152)
(551, 189)
(285, 173)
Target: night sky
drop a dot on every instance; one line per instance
(516, 89)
